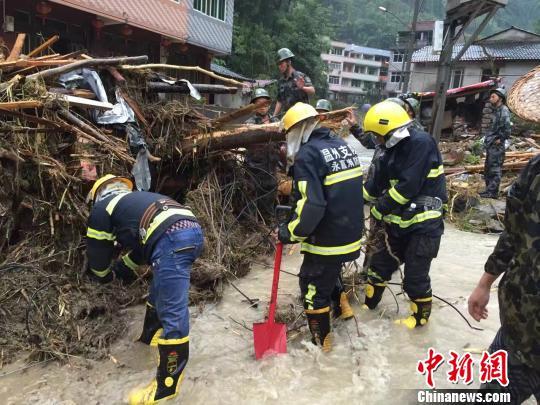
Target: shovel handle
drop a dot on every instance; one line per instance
(275, 282)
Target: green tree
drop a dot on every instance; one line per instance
(262, 27)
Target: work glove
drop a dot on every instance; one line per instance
(124, 273)
(284, 235)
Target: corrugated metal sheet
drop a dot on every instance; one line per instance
(173, 19)
(499, 51)
(223, 71)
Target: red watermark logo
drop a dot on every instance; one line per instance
(461, 368)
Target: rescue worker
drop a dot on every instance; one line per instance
(407, 192)
(494, 143)
(293, 85)
(323, 106)
(156, 230)
(327, 217)
(340, 302)
(263, 160)
(412, 106)
(367, 140)
(516, 256)
(262, 114)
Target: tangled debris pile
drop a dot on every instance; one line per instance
(59, 132)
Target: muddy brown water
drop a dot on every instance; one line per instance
(378, 367)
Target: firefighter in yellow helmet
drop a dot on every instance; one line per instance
(327, 211)
(408, 194)
(151, 229)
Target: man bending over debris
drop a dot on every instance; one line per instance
(516, 255)
(328, 215)
(408, 191)
(159, 231)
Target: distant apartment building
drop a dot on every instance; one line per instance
(423, 37)
(356, 74)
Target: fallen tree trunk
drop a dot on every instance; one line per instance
(236, 138)
(44, 46)
(158, 87)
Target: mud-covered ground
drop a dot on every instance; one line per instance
(377, 367)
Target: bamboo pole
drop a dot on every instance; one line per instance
(183, 68)
(86, 63)
(20, 105)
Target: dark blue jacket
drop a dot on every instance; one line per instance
(411, 169)
(328, 217)
(117, 219)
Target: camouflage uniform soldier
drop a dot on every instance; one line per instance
(494, 142)
(517, 256)
(293, 86)
(262, 159)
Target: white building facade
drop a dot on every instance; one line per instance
(356, 74)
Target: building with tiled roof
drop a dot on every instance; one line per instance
(507, 54)
(188, 32)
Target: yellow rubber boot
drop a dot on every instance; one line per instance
(173, 357)
(421, 310)
(319, 326)
(346, 310)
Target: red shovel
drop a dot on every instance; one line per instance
(270, 337)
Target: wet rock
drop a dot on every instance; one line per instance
(494, 225)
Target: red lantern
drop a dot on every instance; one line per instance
(98, 26)
(184, 47)
(43, 8)
(127, 31)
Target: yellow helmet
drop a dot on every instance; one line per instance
(385, 117)
(298, 112)
(108, 178)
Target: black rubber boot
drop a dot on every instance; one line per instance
(374, 293)
(421, 310)
(319, 326)
(173, 357)
(152, 327)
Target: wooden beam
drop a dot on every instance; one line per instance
(44, 46)
(82, 102)
(20, 105)
(182, 88)
(17, 48)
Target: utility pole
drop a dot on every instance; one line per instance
(410, 47)
(460, 14)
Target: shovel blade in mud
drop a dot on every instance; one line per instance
(269, 338)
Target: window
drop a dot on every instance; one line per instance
(396, 77)
(368, 86)
(368, 57)
(333, 79)
(359, 69)
(488, 74)
(457, 78)
(213, 8)
(356, 83)
(334, 66)
(336, 51)
(373, 71)
(398, 56)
